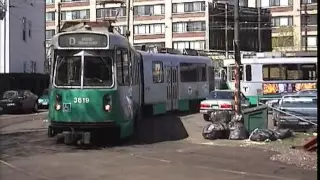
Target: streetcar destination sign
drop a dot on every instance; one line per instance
(83, 40)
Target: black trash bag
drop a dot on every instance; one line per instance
(262, 135)
(220, 116)
(214, 131)
(282, 133)
(237, 131)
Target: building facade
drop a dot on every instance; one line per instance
(294, 23)
(22, 37)
(174, 24)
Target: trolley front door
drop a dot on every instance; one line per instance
(172, 88)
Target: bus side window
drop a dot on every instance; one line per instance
(248, 73)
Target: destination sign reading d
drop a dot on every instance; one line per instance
(83, 40)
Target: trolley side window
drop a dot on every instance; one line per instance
(193, 72)
(202, 72)
(232, 72)
(248, 73)
(274, 72)
(123, 67)
(136, 69)
(157, 72)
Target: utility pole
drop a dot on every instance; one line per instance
(306, 27)
(258, 5)
(128, 6)
(59, 17)
(226, 29)
(237, 58)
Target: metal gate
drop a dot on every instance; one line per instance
(172, 88)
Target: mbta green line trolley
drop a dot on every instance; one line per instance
(100, 85)
(88, 93)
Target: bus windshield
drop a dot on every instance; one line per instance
(97, 71)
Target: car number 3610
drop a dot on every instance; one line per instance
(81, 100)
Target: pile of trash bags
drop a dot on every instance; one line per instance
(227, 126)
(224, 126)
(272, 135)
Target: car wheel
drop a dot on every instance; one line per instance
(35, 107)
(206, 117)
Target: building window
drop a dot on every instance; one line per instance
(311, 40)
(122, 29)
(282, 21)
(30, 27)
(63, 1)
(198, 45)
(157, 72)
(149, 29)
(148, 10)
(290, 2)
(111, 12)
(274, 3)
(76, 14)
(50, 1)
(283, 41)
(50, 33)
(311, 19)
(188, 7)
(24, 29)
(50, 16)
(189, 26)
(309, 1)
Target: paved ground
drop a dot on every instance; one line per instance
(171, 147)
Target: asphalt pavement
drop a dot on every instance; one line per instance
(170, 147)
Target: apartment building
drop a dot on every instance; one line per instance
(166, 23)
(294, 23)
(22, 36)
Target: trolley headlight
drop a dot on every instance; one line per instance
(58, 102)
(58, 107)
(107, 102)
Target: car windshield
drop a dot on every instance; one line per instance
(299, 101)
(221, 95)
(10, 94)
(308, 92)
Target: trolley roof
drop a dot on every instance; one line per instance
(175, 57)
(281, 60)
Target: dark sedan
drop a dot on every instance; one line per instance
(19, 100)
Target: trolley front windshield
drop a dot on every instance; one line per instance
(84, 68)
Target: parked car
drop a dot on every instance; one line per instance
(19, 100)
(302, 106)
(43, 100)
(220, 100)
(312, 92)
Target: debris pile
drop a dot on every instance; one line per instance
(225, 127)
